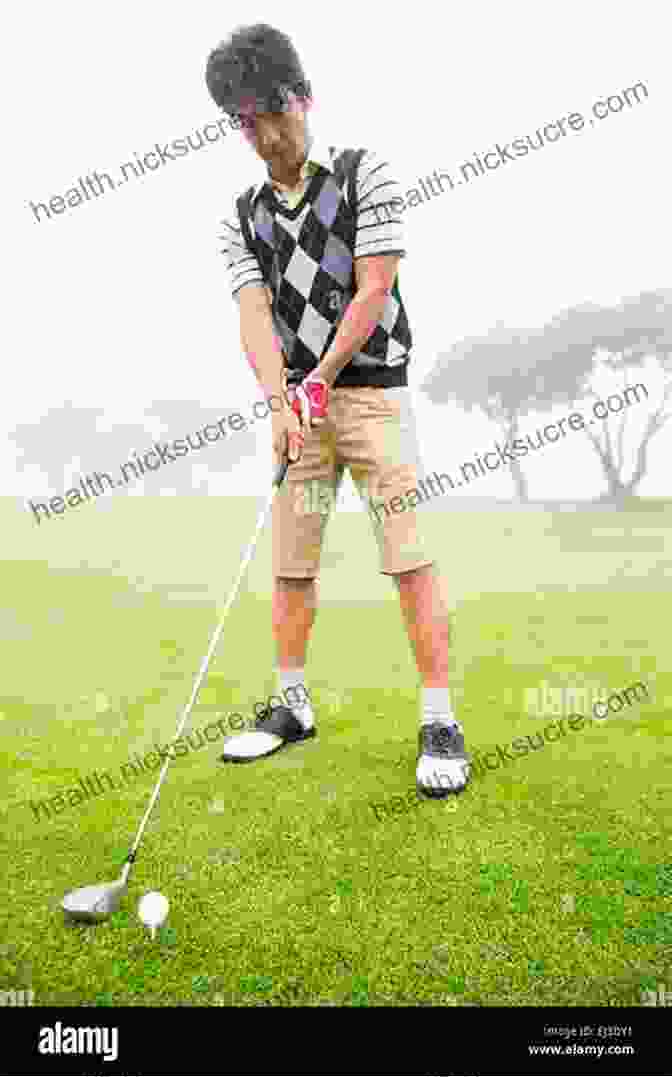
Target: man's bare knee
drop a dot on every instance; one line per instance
(295, 594)
(288, 583)
(413, 576)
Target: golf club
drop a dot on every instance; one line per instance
(95, 903)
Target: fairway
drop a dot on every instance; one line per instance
(547, 883)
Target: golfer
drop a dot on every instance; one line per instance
(313, 262)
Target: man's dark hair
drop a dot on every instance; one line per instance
(255, 61)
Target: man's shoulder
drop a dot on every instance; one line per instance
(247, 192)
(369, 153)
(357, 162)
(363, 154)
(374, 167)
(231, 214)
(244, 200)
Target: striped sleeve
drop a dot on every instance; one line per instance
(242, 264)
(379, 225)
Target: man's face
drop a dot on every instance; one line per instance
(279, 138)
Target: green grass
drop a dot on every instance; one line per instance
(546, 883)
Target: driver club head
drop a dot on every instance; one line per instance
(92, 904)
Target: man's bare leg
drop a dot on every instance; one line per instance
(427, 623)
(294, 609)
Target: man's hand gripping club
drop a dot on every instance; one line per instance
(306, 402)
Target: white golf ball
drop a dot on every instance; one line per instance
(153, 910)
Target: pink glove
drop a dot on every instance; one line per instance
(309, 401)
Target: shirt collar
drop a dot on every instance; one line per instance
(319, 154)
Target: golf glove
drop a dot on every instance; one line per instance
(309, 401)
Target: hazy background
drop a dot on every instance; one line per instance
(121, 304)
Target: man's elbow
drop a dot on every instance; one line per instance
(374, 292)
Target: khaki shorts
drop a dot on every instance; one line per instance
(372, 433)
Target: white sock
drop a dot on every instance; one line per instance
(299, 701)
(436, 707)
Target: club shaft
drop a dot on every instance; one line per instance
(206, 661)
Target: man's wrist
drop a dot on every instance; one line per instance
(329, 368)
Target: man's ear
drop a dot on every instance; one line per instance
(301, 104)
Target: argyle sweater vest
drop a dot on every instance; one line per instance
(306, 257)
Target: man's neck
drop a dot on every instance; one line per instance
(292, 179)
(288, 180)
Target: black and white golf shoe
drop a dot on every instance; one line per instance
(443, 764)
(274, 729)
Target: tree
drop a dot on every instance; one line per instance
(510, 373)
(507, 373)
(619, 341)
